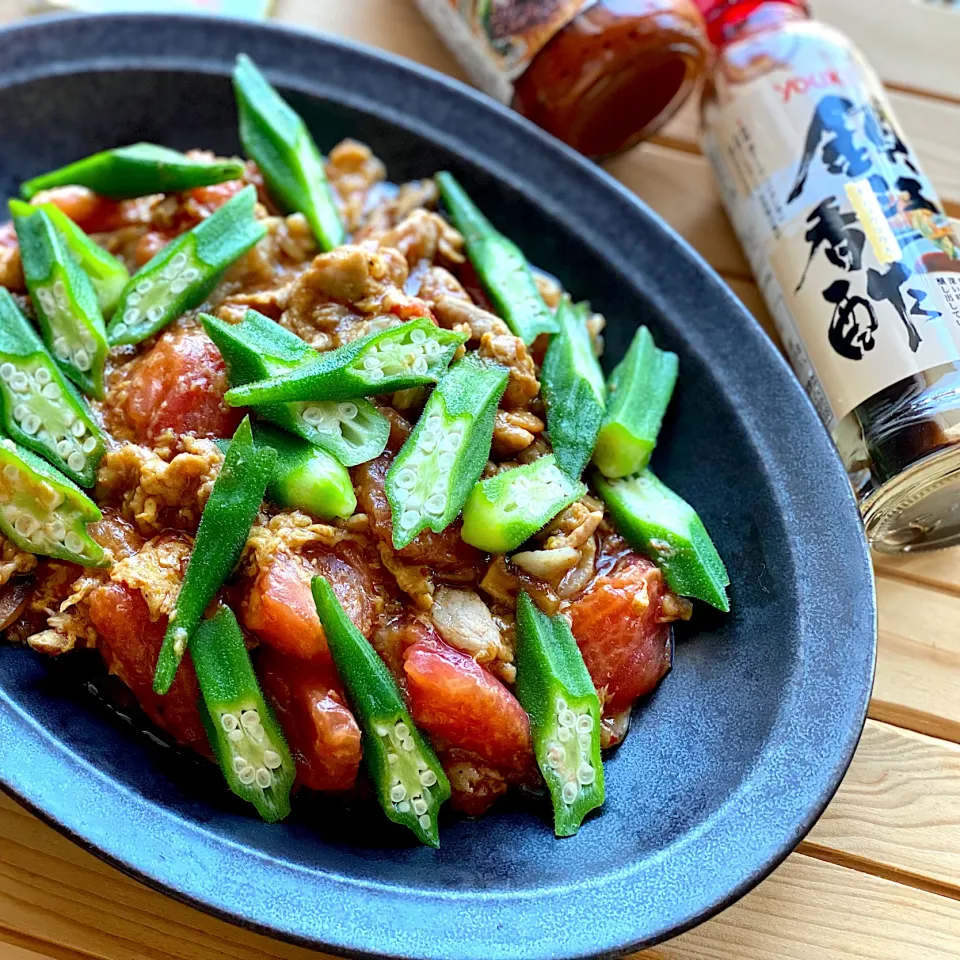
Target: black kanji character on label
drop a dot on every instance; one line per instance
(886, 286)
(881, 132)
(832, 131)
(853, 326)
(917, 311)
(844, 243)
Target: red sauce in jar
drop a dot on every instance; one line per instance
(615, 73)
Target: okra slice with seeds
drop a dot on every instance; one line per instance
(40, 408)
(662, 525)
(43, 512)
(406, 773)
(412, 354)
(224, 526)
(182, 274)
(442, 459)
(135, 171)
(65, 301)
(107, 274)
(573, 389)
(638, 394)
(507, 508)
(305, 477)
(500, 265)
(242, 730)
(257, 348)
(554, 687)
(278, 140)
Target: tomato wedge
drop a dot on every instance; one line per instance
(617, 626)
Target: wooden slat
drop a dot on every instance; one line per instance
(912, 45)
(811, 910)
(939, 569)
(49, 885)
(12, 943)
(400, 29)
(682, 186)
(88, 909)
(918, 664)
(895, 812)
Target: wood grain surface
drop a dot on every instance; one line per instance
(879, 875)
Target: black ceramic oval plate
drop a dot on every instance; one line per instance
(730, 762)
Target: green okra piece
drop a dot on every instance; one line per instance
(555, 689)
(135, 171)
(511, 506)
(442, 459)
(107, 274)
(65, 301)
(257, 348)
(184, 272)
(412, 354)
(39, 407)
(659, 523)
(500, 264)
(243, 732)
(406, 773)
(573, 389)
(43, 512)
(638, 393)
(305, 477)
(275, 136)
(224, 526)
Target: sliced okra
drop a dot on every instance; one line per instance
(573, 389)
(43, 512)
(224, 526)
(136, 171)
(257, 348)
(406, 773)
(504, 510)
(554, 687)
(278, 140)
(40, 408)
(182, 274)
(412, 354)
(107, 274)
(65, 301)
(638, 394)
(442, 459)
(305, 477)
(500, 264)
(662, 525)
(241, 727)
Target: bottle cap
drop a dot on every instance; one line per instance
(723, 14)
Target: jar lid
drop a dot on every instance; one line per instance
(723, 14)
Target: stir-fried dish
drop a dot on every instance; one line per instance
(331, 477)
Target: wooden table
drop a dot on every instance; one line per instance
(879, 876)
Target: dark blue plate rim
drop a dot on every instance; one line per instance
(181, 859)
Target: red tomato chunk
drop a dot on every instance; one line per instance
(130, 643)
(279, 607)
(179, 385)
(453, 697)
(320, 729)
(617, 626)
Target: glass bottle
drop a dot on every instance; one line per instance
(853, 252)
(598, 74)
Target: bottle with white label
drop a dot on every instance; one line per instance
(853, 252)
